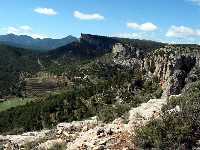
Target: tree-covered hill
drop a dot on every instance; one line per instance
(13, 63)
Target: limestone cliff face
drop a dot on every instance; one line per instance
(126, 55)
(171, 64)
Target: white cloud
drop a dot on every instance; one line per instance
(83, 16)
(24, 30)
(19, 30)
(148, 26)
(130, 35)
(46, 11)
(182, 32)
(195, 1)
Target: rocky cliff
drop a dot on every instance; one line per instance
(171, 64)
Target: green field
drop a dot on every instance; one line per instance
(14, 103)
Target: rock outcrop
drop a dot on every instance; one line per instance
(89, 134)
(15, 142)
(171, 65)
(126, 56)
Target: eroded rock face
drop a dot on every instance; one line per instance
(172, 68)
(171, 65)
(15, 142)
(139, 116)
(126, 56)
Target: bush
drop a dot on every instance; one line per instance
(109, 113)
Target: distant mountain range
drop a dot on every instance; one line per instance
(24, 41)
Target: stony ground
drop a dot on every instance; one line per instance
(90, 134)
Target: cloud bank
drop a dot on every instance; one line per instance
(24, 30)
(84, 16)
(182, 32)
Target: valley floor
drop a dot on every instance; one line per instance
(14, 102)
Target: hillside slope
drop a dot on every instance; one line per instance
(13, 63)
(114, 78)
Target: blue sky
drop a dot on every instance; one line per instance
(161, 20)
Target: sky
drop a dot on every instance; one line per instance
(173, 21)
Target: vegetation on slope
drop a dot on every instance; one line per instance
(99, 87)
(13, 62)
(14, 102)
(178, 129)
(104, 89)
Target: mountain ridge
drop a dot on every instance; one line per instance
(96, 45)
(24, 41)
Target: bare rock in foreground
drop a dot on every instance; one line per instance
(89, 134)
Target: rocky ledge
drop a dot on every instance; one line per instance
(88, 134)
